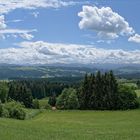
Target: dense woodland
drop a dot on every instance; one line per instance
(100, 91)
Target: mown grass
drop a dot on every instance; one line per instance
(74, 125)
(31, 113)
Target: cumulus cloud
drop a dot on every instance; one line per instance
(48, 53)
(107, 23)
(135, 38)
(10, 5)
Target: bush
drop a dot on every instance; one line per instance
(1, 109)
(12, 110)
(5, 113)
(36, 104)
(138, 101)
(68, 99)
(127, 98)
(47, 106)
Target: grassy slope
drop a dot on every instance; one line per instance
(74, 125)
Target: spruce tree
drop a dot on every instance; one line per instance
(98, 91)
(93, 94)
(84, 93)
(113, 90)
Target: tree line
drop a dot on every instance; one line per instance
(25, 91)
(102, 92)
(98, 92)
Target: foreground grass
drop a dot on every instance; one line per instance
(74, 125)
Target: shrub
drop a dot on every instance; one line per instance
(138, 100)
(47, 106)
(68, 99)
(1, 109)
(12, 110)
(127, 98)
(5, 113)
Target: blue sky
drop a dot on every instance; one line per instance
(57, 23)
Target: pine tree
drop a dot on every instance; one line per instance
(98, 91)
(92, 90)
(113, 86)
(27, 98)
(84, 93)
(20, 92)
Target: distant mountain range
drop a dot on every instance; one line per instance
(8, 71)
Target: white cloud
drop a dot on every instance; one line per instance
(10, 5)
(35, 14)
(5, 31)
(48, 53)
(7, 6)
(107, 23)
(16, 31)
(14, 21)
(25, 34)
(107, 36)
(135, 38)
(2, 22)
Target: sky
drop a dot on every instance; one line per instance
(69, 31)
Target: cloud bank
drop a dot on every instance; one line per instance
(49, 53)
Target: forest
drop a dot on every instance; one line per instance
(100, 91)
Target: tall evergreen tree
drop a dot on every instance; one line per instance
(84, 93)
(21, 93)
(92, 99)
(98, 90)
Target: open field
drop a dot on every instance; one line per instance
(74, 125)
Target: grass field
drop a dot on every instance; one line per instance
(74, 125)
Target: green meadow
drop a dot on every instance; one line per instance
(74, 125)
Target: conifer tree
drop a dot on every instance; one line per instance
(84, 93)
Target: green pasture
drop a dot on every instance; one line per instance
(74, 125)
